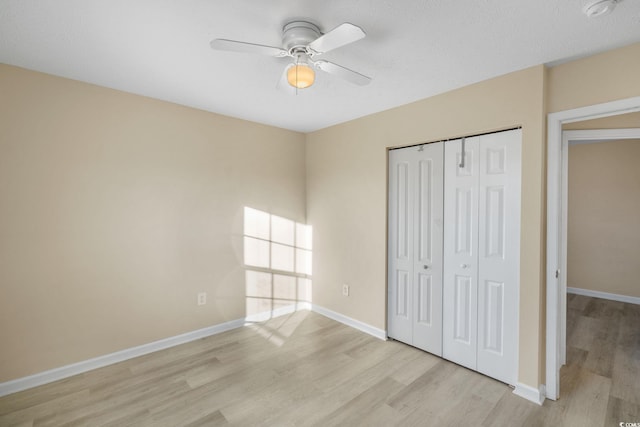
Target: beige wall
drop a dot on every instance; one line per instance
(605, 77)
(603, 241)
(116, 210)
(621, 121)
(347, 194)
(603, 226)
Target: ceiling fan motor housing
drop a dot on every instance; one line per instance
(298, 34)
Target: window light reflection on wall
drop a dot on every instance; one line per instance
(276, 243)
(278, 257)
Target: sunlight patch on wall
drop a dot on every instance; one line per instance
(278, 257)
(276, 243)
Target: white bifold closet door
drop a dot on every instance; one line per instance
(415, 246)
(482, 253)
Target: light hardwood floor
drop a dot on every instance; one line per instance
(305, 369)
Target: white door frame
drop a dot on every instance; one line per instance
(556, 227)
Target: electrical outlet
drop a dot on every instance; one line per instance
(202, 298)
(345, 290)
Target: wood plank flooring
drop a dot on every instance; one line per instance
(305, 369)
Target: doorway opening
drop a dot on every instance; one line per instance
(557, 165)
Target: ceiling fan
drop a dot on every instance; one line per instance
(303, 41)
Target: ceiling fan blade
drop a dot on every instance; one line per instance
(342, 35)
(342, 72)
(236, 46)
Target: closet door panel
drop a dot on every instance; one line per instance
(401, 193)
(415, 246)
(499, 254)
(460, 281)
(462, 313)
(427, 297)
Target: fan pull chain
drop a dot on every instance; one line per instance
(297, 69)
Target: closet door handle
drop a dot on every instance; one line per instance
(426, 267)
(464, 266)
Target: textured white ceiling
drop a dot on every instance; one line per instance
(414, 48)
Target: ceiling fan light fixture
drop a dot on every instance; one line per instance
(301, 75)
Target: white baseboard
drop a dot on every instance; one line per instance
(56, 374)
(356, 324)
(282, 311)
(532, 394)
(604, 295)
